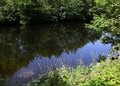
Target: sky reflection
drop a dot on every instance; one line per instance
(88, 53)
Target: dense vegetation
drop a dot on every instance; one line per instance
(107, 19)
(103, 74)
(106, 16)
(33, 11)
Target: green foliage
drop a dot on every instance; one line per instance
(107, 19)
(106, 16)
(102, 74)
(22, 11)
(52, 79)
(32, 11)
(106, 73)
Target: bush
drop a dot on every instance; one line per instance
(32, 11)
(106, 16)
(106, 19)
(102, 74)
(105, 74)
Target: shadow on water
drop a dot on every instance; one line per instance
(26, 52)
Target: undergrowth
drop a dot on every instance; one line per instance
(106, 73)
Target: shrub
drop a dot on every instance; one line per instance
(106, 19)
(32, 11)
(102, 74)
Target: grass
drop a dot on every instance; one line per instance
(105, 73)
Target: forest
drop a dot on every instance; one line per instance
(44, 11)
(100, 21)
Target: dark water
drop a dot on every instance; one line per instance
(26, 52)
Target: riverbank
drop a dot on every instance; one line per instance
(106, 73)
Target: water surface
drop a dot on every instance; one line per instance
(26, 52)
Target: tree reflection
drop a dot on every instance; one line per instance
(18, 46)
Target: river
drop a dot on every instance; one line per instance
(29, 51)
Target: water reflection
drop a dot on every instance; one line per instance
(28, 51)
(41, 64)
